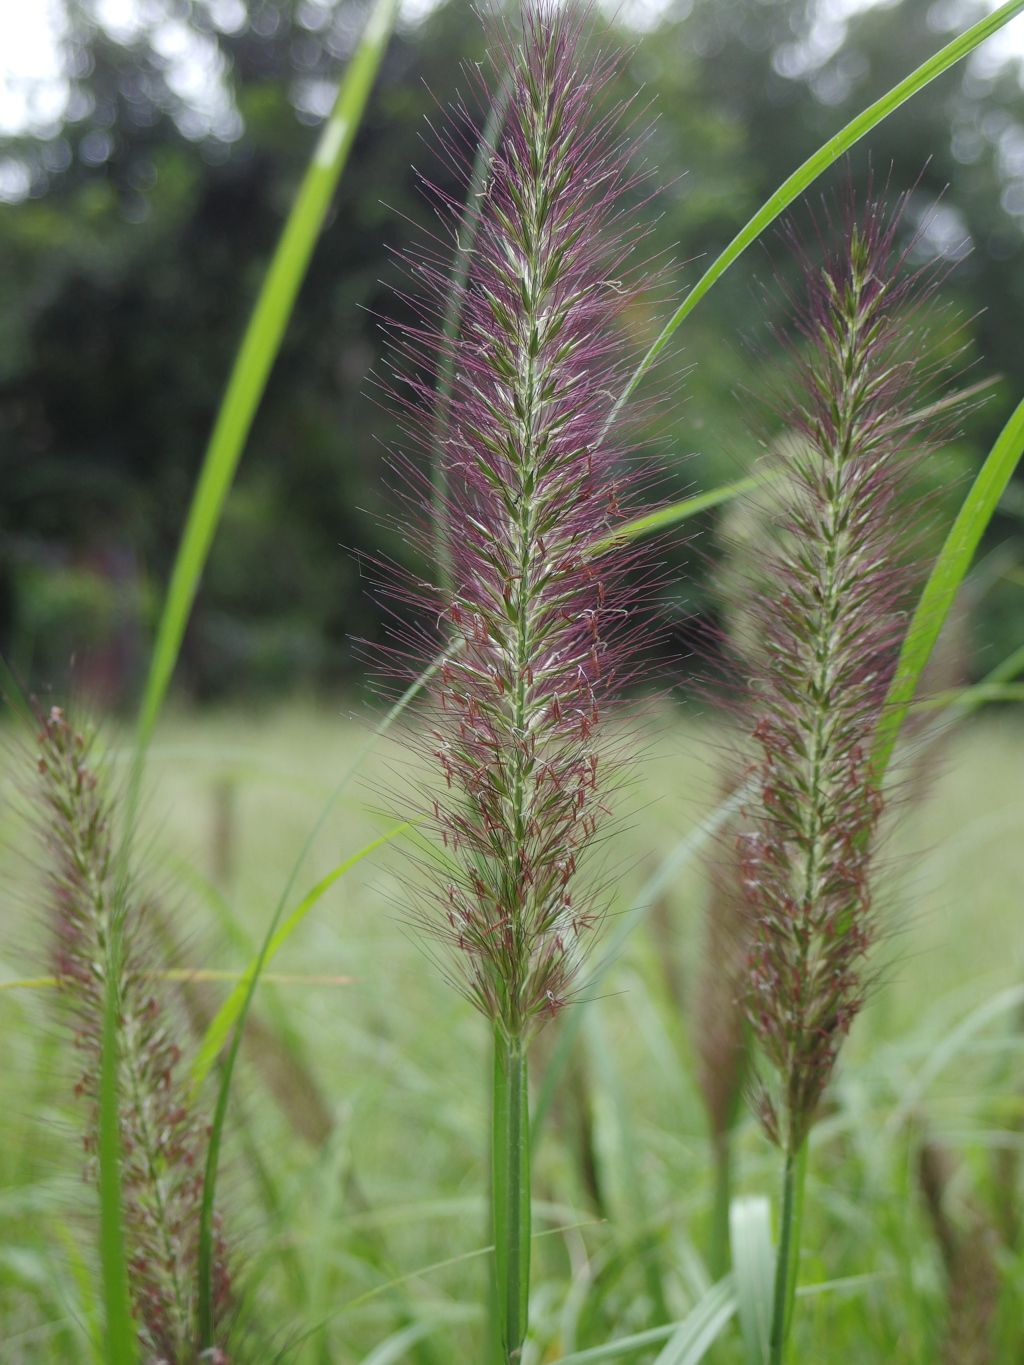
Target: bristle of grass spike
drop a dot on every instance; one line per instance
(824, 627)
(534, 617)
(162, 1137)
(536, 628)
(821, 640)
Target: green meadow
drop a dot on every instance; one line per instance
(354, 1175)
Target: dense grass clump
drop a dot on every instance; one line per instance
(396, 1060)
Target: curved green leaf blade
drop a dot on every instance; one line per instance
(86, 1312)
(947, 573)
(675, 512)
(257, 353)
(805, 175)
(961, 700)
(220, 1025)
(689, 1339)
(205, 1242)
(612, 1350)
(394, 1347)
(419, 1274)
(946, 1049)
(701, 1327)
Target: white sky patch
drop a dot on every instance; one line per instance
(643, 16)
(942, 231)
(411, 13)
(827, 33)
(34, 84)
(124, 20)
(803, 57)
(195, 70)
(35, 89)
(1002, 47)
(15, 180)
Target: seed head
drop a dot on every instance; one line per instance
(163, 1138)
(820, 646)
(536, 477)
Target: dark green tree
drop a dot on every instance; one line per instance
(128, 269)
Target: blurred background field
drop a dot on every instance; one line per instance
(358, 1132)
(148, 152)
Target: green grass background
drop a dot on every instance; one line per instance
(401, 1063)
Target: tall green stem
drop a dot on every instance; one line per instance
(718, 1243)
(120, 1337)
(789, 1252)
(510, 1190)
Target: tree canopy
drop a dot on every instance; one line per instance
(139, 220)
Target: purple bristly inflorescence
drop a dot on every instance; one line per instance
(826, 628)
(163, 1137)
(536, 473)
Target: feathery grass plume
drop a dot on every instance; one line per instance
(825, 626)
(162, 1137)
(535, 482)
(535, 620)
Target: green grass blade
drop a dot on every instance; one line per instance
(88, 1316)
(690, 1338)
(965, 699)
(753, 1265)
(257, 353)
(213, 1149)
(701, 1327)
(394, 1347)
(806, 174)
(623, 1157)
(1006, 671)
(676, 512)
(848, 1284)
(612, 1350)
(205, 1244)
(946, 1049)
(120, 1332)
(947, 573)
(405, 1279)
(13, 695)
(220, 1025)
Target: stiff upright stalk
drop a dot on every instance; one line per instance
(510, 1178)
(528, 488)
(789, 1252)
(718, 1248)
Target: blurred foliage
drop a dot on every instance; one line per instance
(358, 1132)
(128, 268)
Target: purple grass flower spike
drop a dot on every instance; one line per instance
(826, 625)
(163, 1138)
(536, 476)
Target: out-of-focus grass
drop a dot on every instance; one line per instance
(399, 1060)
